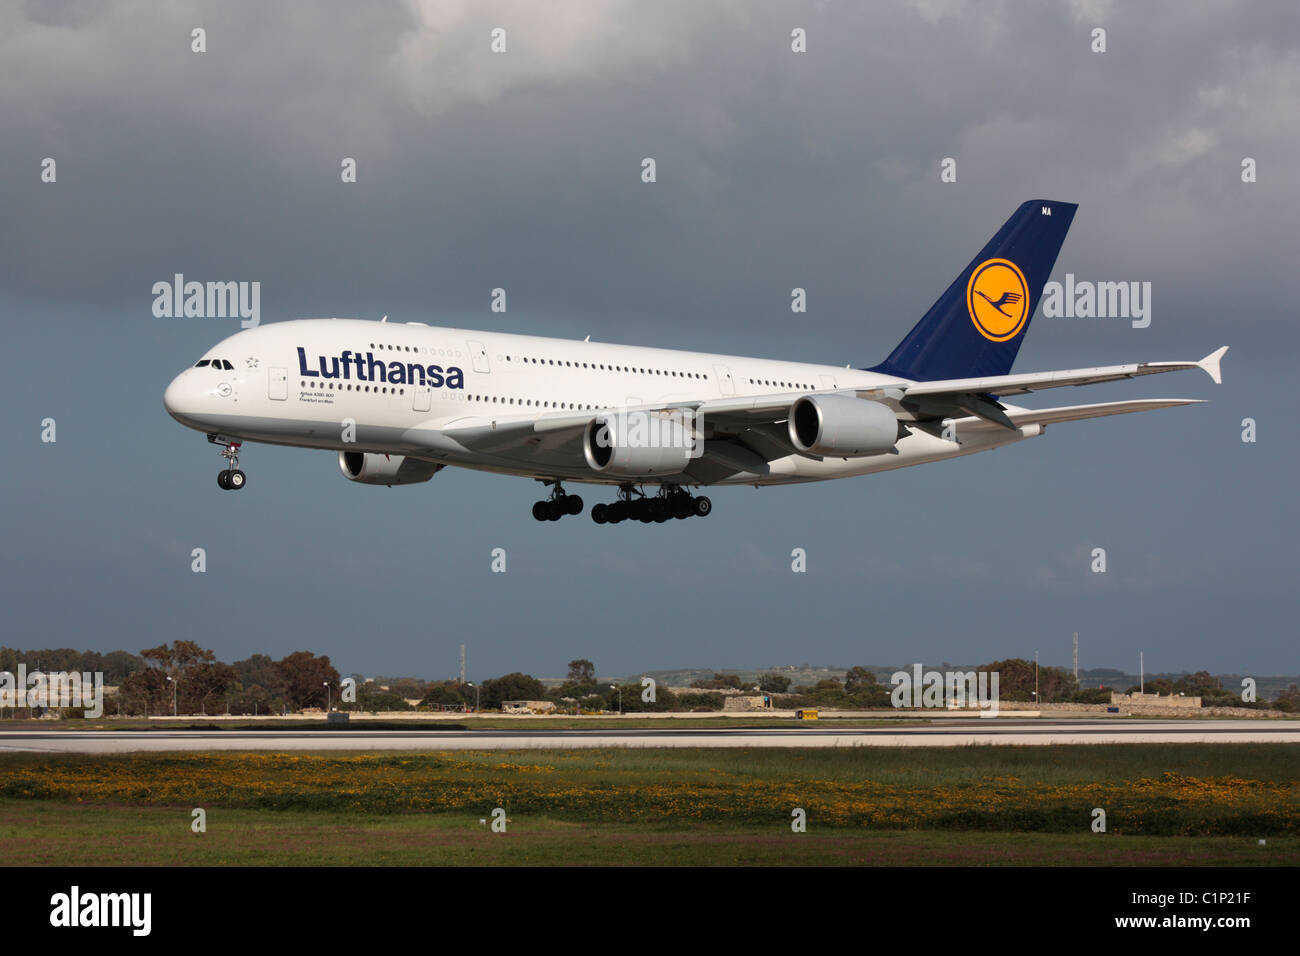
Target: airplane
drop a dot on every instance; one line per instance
(401, 401)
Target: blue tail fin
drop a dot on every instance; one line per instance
(976, 327)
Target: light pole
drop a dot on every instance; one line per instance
(476, 694)
(174, 682)
(329, 697)
(618, 688)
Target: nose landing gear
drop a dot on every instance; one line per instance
(230, 479)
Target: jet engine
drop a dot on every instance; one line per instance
(372, 469)
(842, 426)
(639, 444)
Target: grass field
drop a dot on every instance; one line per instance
(1181, 804)
(35, 834)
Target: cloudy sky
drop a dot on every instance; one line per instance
(775, 169)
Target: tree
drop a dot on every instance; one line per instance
(1016, 680)
(858, 677)
(143, 692)
(1288, 700)
(183, 675)
(1200, 684)
(719, 682)
(259, 670)
(773, 683)
(118, 665)
(632, 703)
(447, 693)
(516, 686)
(373, 699)
(304, 676)
(581, 671)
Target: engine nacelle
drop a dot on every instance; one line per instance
(372, 469)
(640, 444)
(842, 426)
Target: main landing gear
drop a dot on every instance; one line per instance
(671, 502)
(231, 479)
(558, 505)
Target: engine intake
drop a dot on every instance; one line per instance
(842, 426)
(372, 469)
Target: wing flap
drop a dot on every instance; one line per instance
(1075, 413)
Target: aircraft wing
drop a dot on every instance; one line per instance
(745, 433)
(1033, 381)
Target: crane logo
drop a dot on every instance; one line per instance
(997, 297)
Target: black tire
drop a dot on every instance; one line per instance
(236, 480)
(598, 513)
(574, 504)
(682, 506)
(554, 511)
(703, 506)
(539, 510)
(222, 480)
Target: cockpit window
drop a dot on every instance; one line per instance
(200, 363)
(227, 366)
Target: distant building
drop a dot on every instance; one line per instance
(527, 706)
(748, 703)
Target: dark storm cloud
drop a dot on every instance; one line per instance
(521, 169)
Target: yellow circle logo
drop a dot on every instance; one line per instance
(997, 297)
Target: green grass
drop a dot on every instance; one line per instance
(1183, 803)
(46, 834)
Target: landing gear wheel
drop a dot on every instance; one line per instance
(599, 513)
(229, 479)
(573, 504)
(554, 511)
(539, 510)
(703, 506)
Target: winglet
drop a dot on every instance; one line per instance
(1211, 365)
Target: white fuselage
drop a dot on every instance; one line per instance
(398, 386)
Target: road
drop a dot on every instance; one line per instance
(938, 733)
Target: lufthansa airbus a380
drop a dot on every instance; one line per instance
(399, 402)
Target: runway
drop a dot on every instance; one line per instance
(938, 733)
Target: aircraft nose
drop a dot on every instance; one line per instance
(179, 398)
(172, 397)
